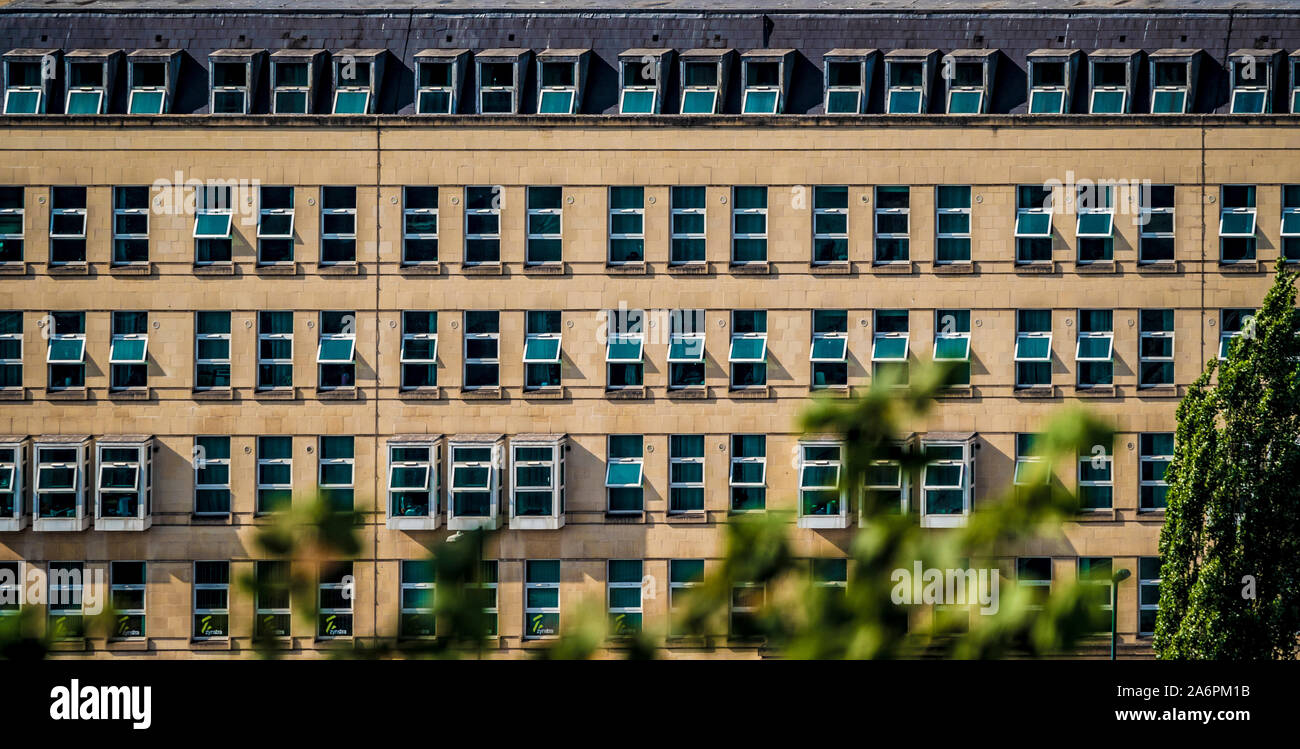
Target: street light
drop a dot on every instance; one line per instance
(1119, 575)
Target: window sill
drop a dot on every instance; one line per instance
(482, 394)
(69, 269)
(957, 391)
(139, 645)
(216, 394)
(626, 394)
(831, 391)
(830, 269)
(637, 516)
(754, 393)
(421, 269)
(131, 269)
(1096, 391)
(215, 269)
(71, 394)
(13, 394)
(1106, 515)
(1036, 391)
(1160, 266)
(545, 393)
(1158, 391)
(336, 643)
(687, 394)
(131, 394)
(893, 269)
(278, 394)
(1245, 266)
(546, 269)
(1101, 266)
(80, 644)
(627, 269)
(421, 394)
(338, 269)
(482, 269)
(278, 269)
(1156, 514)
(210, 643)
(14, 269)
(689, 516)
(751, 269)
(690, 269)
(274, 643)
(1039, 267)
(225, 519)
(953, 269)
(338, 394)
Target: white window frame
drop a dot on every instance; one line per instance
(830, 212)
(1110, 346)
(404, 610)
(748, 89)
(571, 90)
(214, 89)
(1022, 583)
(495, 337)
(141, 466)
(80, 466)
(610, 462)
(965, 485)
(194, 599)
(10, 90)
(262, 213)
(1224, 211)
(114, 586)
(859, 91)
(304, 90)
(20, 212)
(494, 209)
(530, 235)
(1157, 90)
(350, 212)
(79, 212)
(450, 90)
(902, 487)
(403, 358)
(1263, 74)
(1107, 210)
(431, 480)
(22, 350)
(715, 90)
(611, 586)
(735, 235)
(939, 212)
(227, 213)
(60, 603)
(639, 212)
(1028, 462)
(1109, 459)
(205, 462)
(626, 88)
(272, 462)
(408, 211)
(1144, 459)
(54, 337)
(274, 337)
(676, 588)
(842, 339)
(921, 100)
(734, 461)
(144, 354)
(1146, 583)
(674, 484)
(1227, 335)
(322, 461)
(352, 86)
(1034, 334)
(1035, 211)
(676, 211)
(876, 338)
(323, 611)
(130, 212)
(1145, 334)
(512, 89)
(878, 235)
(554, 464)
(16, 590)
(260, 610)
(198, 339)
(529, 610)
(493, 482)
(162, 102)
(733, 358)
(838, 465)
(1145, 212)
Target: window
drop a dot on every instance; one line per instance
(483, 225)
(966, 88)
(748, 354)
(952, 343)
(683, 574)
(1156, 349)
(1033, 224)
(275, 225)
(274, 473)
(338, 215)
(211, 600)
(67, 225)
(12, 584)
(211, 350)
(626, 225)
(496, 87)
(65, 356)
(686, 473)
(1095, 347)
(545, 219)
(686, 349)
(229, 86)
(762, 94)
(831, 575)
(747, 600)
(274, 350)
(475, 482)
(885, 489)
(24, 87)
(86, 87)
(1031, 469)
(1095, 223)
(213, 217)
(130, 225)
(1156, 224)
(624, 472)
(211, 475)
(148, 87)
(336, 468)
(1033, 348)
(639, 91)
(1109, 87)
(487, 587)
(906, 87)
(1148, 594)
(60, 487)
(63, 610)
(482, 349)
(1170, 87)
(541, 598)
(892, 224)
(271, 600)
(126, 582)
(845, 88)
(688, 215)
(292, 84)
(1157, 452)
(11, 350)
(624, 349)
(624, 591)
(559, 87)
(538, 489)
(336, 351)
(819, 480)
(946, 483)
(952, 224)
(414, 486)
(1251, 81)
(418, 594)
(830, 224)
(124, 488)
(334, 601)
(700, 86)
(748, 225)
(1291, 223)
(889, 346)
(748, 478)
(435, 91)
(11, 224)
(1034, 579)
(830, 348)
(1237, 223)
(128, 354)
(12, 486)
(352, 85)
(542, 350)
(419, 355)
(1095, 574)
(1234, 324)
(1095, 480)
(419, 225)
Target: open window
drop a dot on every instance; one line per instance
(213, 220)
(439, 79)
(537, 481)
(1254, 77)
(1031, 469)
(61, 483)
(13, 486)
(686, 349)
(909, 79)
(1237, 225)
(233, 75)
(970, 83)
(358, 75)
(414, 482)
(748, 352)
(1294, 98)
(336, 351)
(1173, 79)
(65, 354)
(704, 80)
(847, 76)
(90, 75)
(499, 75)
(624, 349)
(1233, 324)
(643, 80)
(124, 482)
(947, 479)
(474, 489)
(1095, 348)
(1095, 222)
(625, 474)
(823, 501)
(561, 80)
(1033, 231)
(886, 486)
(889, 346)
(295, 80)
(952, 342)
(1052, 77)
(765, 76)
(1112, 75)
(31, 78)
(151, 79)
(830, 348)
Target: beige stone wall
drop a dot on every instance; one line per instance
(586, 161)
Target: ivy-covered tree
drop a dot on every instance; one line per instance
(1231, 540)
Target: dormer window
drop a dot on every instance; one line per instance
(29, 76)
(765, 73)
(356, 80)
(1169, 81)
(1051, 80)
(1295, 82)
(438, 77)
(89, 76)
(641, 80)
(1111, 74)
(231, 78)
(704, 73)
(151, 75)
(1252, 80)
(294, 73)
(559, 76)
(969, 87)
(907, 79)
(500, 75)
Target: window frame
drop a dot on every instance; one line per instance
(274, 362)
(529, 610)
(469, 361)
(1144, 335)
(675, 459)
(200, 465)
(965, 483)
(130, 236)
(734, 460)
(611, 462)
(341, 237)
(141, 612)
(530, 235)
(1152, 458)
(260, 486)
(749, 236)
(877, 235)
(408, 236)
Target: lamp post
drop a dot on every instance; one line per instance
(1119, 575)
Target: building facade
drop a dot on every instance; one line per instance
(573, 277)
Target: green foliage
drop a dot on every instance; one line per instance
(1234, 501)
